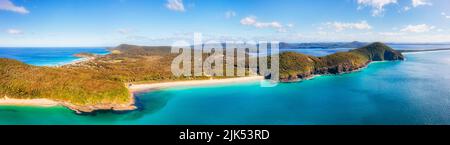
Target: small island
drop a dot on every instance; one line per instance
(107, 82)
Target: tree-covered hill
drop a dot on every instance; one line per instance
(296, 66)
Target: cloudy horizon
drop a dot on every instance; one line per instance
(161, 22)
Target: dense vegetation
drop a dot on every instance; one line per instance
(102, 80)
(75, 86)
(96, 84)
(136, 64)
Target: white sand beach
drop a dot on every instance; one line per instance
(156, 86)
(5, 101)
(27, 102)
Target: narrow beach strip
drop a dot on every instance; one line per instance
(156, 86)
(27, 102)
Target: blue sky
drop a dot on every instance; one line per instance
(161, 22)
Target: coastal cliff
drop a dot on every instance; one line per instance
(296, 67)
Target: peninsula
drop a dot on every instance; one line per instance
(295, 66)
(108, 82)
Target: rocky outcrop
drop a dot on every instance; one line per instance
(81, 109)
(98, 107)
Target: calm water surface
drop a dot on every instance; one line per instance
(42, 56)
(416, 91)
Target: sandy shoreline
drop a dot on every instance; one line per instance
(76, 62)
(27, 102)
(156, 86)
(5, 101)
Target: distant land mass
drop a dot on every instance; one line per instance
(435, 43)
(332, 45)
(101, 83)
(324, 45)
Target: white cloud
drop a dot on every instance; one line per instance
(175, 5)
(445, 15)
(417, 3)
(7, 5)
(14, 32)
(290, 25)
(340, 26)
(251, 21)
(406, 8)
(377, 5)
(248, 21)
(230, 14)
(273, 24)
(418, 28)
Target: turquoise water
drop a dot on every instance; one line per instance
(416, 91)
(42, 56)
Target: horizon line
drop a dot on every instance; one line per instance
(432, 43)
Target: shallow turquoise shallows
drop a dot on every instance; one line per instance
(415, 91)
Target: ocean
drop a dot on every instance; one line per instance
(411, 92)
(42, 56)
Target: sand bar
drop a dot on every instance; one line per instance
(27, 102)
(156, 86)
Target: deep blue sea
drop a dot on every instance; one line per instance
(415, 91)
